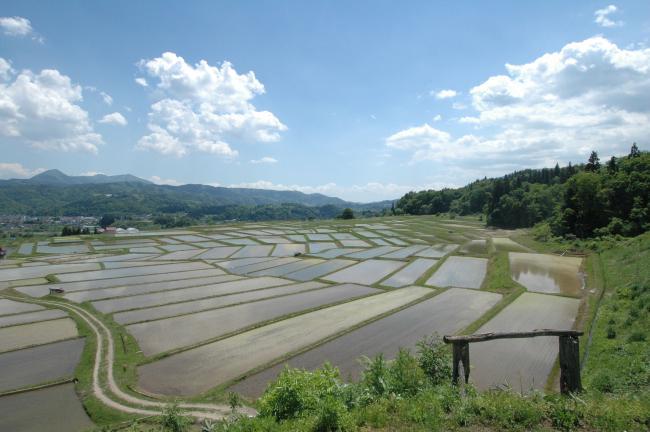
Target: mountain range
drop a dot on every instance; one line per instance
(55, 193)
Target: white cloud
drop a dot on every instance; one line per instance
(114, 118)
(17, 170)
(6, 71)
(602, 17)
(557, 108)
(18, 27)
(445, 94)
(371, 191)
(264, 160)
(161, 181)
(204, 108)
(141, 81)
(108, 100)
(90, 173)
(437, 118)
(42, 110)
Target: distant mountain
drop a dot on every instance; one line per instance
(55, 193)
(55, 177)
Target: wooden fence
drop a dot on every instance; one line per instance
(569, 353)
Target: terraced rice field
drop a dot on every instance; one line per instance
(523, 364)
(445, 313)
(210, 305)
(460, 272)
(547, 273)
(40, 364)
(54, 409)
(202, 368)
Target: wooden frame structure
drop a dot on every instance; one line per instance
(570, 381)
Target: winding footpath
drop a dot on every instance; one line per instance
(116, 398)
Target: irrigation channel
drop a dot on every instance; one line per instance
(122, 401)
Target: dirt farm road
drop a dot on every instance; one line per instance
(122, 401)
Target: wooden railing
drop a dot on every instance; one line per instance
(569, 353)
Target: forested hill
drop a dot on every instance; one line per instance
(55, 194)
(583, 200)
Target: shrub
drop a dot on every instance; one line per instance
(406, 378)
(298, 392)
(172, 419)
(332, 416)
(565, 413)
(611, 333)
(637, 336)
(435, 360)
(375, 375)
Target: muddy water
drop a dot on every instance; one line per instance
(26, 335)
(446, 313)
(158, 336)
(522, 363)
(53, 409)
(547, 273)
(40, 364)
(366, 272)
(460, 272)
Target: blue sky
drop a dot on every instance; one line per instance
(364, 100)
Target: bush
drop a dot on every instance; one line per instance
(611, 333)
(375, 375)
(406, 378)
(332, 416)
(565, 413)
(435, 360)
(298, 392)
(174, 420)
(637, 336)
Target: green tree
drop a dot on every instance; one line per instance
(612, 166)
(106, 220)
(634, 151)
(593, 164)
(347, 214)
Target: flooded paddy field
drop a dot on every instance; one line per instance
(411, 273)
(133, 271)
(26, 335)
(84, 285)
(508, 245)
(319, 270)
(155, 337)
(41, 271)
(174, 309)
(460, 272)
(13, 307)
(199, 369)
(547, 273)
(445, 313)
(437, 251)
(129, 290)
(29, 317)
(474, 247)
(523, 364)
(366, 272)
(40, 364)
(186, 294)
(52, 409)
(291, 267)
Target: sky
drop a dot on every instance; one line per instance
(363, 100)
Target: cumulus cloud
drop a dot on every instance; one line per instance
(602, 17)
(19, 27)
(42, 110)
(588, 95)
(142, 82)
(204, 108)
(108, 100)
(90, 173)
(114, 119)
(264, 160)
(161, 181)
(16, 170)
(371, 191)
(445, 94)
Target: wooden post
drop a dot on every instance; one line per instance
(570, 365)
(460, 354)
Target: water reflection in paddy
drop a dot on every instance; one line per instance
(547, 273)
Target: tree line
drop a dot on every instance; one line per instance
(585, 200)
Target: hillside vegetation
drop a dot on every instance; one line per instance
(586, 200)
